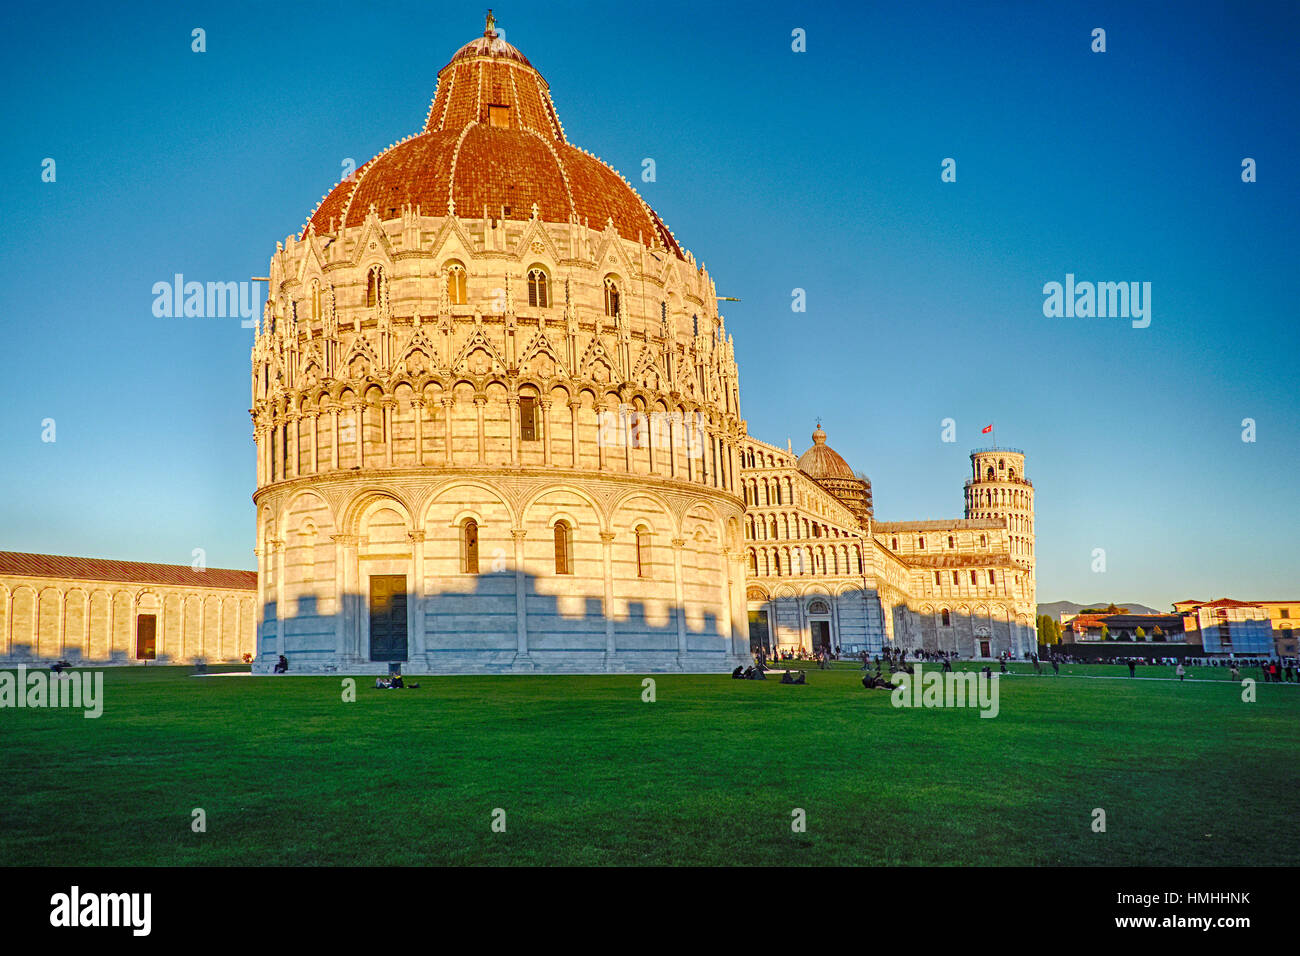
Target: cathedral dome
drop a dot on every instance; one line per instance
(822, 461)
(492, 147)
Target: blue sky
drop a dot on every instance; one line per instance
(779, 170)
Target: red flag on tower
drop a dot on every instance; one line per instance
(987, 429)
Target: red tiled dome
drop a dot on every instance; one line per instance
(492, 144)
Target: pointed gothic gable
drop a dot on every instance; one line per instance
(312, 265)
(361, 359)
(479, 356)
(540, 358)
(609, 248)
(648, 371)
(372, 233)
(451, 230)
(598, 364)
(420, 354)
(535, 236)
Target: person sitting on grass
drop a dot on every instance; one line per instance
(738, 673)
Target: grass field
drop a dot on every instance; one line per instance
(709, 773)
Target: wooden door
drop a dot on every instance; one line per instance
(388, 617)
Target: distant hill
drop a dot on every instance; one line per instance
(1056, 607)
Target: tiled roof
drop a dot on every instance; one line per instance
(22, 564)
(462, 162)
(1229, 602)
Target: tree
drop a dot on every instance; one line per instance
(1140, 634)
(1157, 634)
(1049, 629)
(1105, 633)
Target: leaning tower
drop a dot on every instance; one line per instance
(998, 488)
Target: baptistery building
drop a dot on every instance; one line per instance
(496, 411)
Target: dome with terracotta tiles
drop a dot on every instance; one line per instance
(492, 147)
(823, 464)
(823, 461)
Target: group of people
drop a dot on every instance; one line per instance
(395, 682)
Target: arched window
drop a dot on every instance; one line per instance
(611, 296)
(642, 552)
(952, 543)
(992, 579)
(990, 474)
(563, 548)
(753, 563)
(920, 544)
(315, 301)
(947, 618)
(456, 284)
(469, 546)
(974, 579)
(539, 292)
(894, 544)
(936, 578)
(984, 541)
(374, 286)
(955, 578)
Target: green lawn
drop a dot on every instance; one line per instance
(708, 774)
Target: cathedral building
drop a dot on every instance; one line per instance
(822, 572)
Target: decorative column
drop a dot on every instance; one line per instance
(361, 434)
(416, 623)
(349, 598)
(389, 405)
(334, 431)
(419, 431)
(480, 403)
(292, 428)
(278, 548)
(652, 433)
(688, 446)
(522, 661)
(625, 414)
(315, 460)
(724, 620)
(546, 433)
(611, 647)
(680, 590)
(513, 402)
(446, 421)
(600, 436)
(740, 612)
(573, 434)
(672, 447)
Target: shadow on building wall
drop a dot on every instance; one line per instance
(477, 630)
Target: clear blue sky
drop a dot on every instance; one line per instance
(779, 170)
